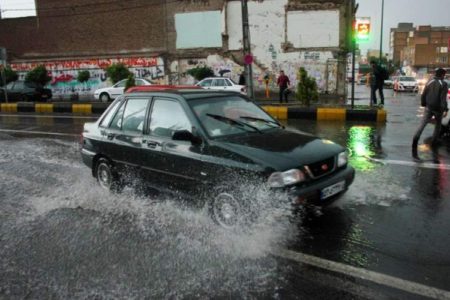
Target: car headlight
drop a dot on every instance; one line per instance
(342, 159)
(281, 179)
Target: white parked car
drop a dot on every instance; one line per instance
(406, 84)
(221, 84)
(110, 93)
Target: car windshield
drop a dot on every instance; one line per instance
(407, 79)
(222, 116)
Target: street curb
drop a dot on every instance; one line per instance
(277, 111)
(326, 114)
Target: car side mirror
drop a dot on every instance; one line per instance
(186, 135)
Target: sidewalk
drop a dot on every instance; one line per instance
(292, 110)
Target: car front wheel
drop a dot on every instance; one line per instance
(104, 97)
(106, 177)
(226, 211)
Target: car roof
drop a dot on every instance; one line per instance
(215, 78)
(189, 92)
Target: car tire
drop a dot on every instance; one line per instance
(104, 97)
(106, 176)
(225, 210)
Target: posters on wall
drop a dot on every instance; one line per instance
(64, 73)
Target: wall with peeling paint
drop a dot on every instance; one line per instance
(269, 33)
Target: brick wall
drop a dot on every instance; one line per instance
(88, 28)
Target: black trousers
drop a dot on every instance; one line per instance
(283, 94)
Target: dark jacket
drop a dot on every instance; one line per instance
(434, 96)
(377, 77)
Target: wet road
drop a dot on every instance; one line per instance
(63, 237)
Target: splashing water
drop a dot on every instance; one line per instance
(63, 236)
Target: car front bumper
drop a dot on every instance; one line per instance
(88, 158)
(314, 192)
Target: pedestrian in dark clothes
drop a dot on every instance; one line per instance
(283, 82)
(242, 79)
(434, 98)
(376, 83)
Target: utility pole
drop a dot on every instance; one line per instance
(381, 34)
(247, 49)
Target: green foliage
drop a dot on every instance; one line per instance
(117, 72)
(200, 73)
(306, 88)
(130, 82)
(38, 75)
(10, 75)
(83, 76)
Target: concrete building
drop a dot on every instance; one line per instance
(163, 39)
(398, 40)
(424, 49)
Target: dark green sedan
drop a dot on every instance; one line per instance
(208, 144)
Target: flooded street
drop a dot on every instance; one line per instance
(62, 236)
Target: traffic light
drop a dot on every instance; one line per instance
(362, 30)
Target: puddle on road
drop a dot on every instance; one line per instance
(64, 237)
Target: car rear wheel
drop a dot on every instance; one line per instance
(106, 176)
(226, 211)
(104, 97)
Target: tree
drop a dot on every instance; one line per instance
(10, 75)
(38, 75)
(306, 88)
(83, 76)
(200, 73)
(130, 82)
(117, 72)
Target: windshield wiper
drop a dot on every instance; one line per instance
(232, 122)
(262, 120)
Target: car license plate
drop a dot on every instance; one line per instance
(332, 190)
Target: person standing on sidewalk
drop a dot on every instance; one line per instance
(434, 98)
(283, 82)
(376, 83)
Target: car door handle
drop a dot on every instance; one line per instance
(110, 136)
(153, 144)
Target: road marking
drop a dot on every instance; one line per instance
(39, 132)
(379, 278)
(420, 164)
(48, 116)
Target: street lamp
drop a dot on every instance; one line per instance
(381, 33)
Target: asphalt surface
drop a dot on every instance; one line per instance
(61, 236)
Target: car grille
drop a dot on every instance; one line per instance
(321, 168)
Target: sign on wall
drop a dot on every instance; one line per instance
(313, 29)
(64, 73)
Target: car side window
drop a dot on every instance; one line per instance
(117, 120)
(107, 119)
(167, 117)
(120, 84)
(219, 82)
(10, 85)
(206, 82)
(134, 115)
(139, 82)
(228, 82)
(19, 85)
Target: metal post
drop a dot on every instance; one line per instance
(247, 48)
(3, 73)
(353, 52)
(381, 33)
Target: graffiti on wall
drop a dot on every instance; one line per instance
(64, 73)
